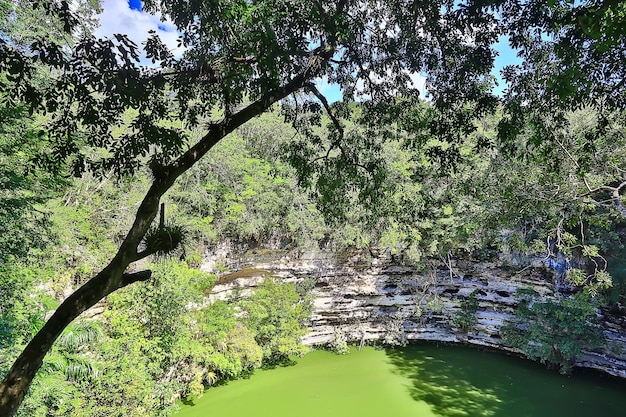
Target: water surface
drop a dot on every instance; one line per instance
(422, 380)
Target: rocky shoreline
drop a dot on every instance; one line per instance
(365, 297)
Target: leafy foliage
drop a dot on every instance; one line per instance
(237, 194)
(22, 189)
(162, 341)
(69, 356)
(465, 319)
(223, 66)
(276, 314)
(21, 314)
(554, 332)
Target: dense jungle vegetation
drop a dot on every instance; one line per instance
(155, 342)
(93, 140)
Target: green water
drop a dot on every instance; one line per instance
(420, 380)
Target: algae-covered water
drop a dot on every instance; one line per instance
(421, 380)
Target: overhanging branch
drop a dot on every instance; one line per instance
(131, 277)
(313, 89)
(113, 277)
(615, 195)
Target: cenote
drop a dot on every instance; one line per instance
(420, 380)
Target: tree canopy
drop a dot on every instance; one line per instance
(110, 107)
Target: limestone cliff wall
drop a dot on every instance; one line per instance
(368, 296)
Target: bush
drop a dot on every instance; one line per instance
(465, 319)
(554, 332)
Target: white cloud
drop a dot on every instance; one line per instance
(117, 17)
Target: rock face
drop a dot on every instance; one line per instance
(369, 296)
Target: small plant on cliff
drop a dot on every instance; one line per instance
(556, 331)
(465, 319)
(339, 344)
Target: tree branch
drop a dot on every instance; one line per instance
(615, 195)
(616, 201)
(112, 277)
(143, 255)
(341, 4)
(312, 88)
(131, 277)
(571, 157)
(589, 187)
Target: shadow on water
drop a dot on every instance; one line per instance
(448, 387)
(188, 402)
(462, 381)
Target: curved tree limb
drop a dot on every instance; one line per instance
(113, 276)
(615, 195)
(312, 88)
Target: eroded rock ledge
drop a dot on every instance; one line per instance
(372, 296)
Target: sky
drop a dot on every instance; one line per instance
(134, 4)
(126, 16)
(506, 56)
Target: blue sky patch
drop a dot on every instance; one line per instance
(162, 27)
(506, 56)
(135, 5)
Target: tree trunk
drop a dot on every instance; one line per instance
(111, 278)
(17, 381)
